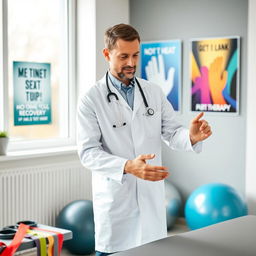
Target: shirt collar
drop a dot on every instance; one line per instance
(118, 84)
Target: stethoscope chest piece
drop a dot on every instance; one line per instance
(150, 112)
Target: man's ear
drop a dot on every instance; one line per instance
(106, 53)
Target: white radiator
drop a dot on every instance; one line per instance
(39, 193)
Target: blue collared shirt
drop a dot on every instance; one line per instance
(127, 91)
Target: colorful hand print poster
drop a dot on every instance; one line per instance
(215, 75)
(161, 64)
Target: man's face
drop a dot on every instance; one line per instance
(123, 59)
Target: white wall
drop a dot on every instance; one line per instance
(108, 13)
(86, 44)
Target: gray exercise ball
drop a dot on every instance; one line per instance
(77, 216)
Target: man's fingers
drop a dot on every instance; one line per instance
(146, 157)
(156, 168)
(206, 129)
(156, 177)
(151, 172)
(196, 119)
(204, 124)
(155, 173)
(208, 134)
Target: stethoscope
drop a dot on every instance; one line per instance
(149, 111)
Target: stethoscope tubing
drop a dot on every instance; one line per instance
(110, 94)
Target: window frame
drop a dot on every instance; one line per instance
(70, 140)
(1, 69)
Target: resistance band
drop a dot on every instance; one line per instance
(40, 241)
(50, 245)
(2, 246)
(55, 242)
(60, 239)
(51, 241)
(20, 234)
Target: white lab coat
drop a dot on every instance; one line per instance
(128, 211)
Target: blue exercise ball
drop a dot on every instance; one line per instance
(173, 204)
(213, 203)
(77, 216)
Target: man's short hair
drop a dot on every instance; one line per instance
(120, 31)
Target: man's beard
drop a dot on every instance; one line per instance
(121, 74)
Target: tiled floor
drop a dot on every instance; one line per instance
(180, 227)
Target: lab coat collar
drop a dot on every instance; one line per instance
(119, 83)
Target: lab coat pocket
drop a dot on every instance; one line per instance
(152, 125)
(114, 186)
(123, 179)
(124, 197)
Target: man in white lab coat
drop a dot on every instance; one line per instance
(121, 122)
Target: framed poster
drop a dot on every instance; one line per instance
(161, 64)
(32, 93)
(214, 74)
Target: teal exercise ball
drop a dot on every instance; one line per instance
(213, 203)
(173, 204)
(77, 216)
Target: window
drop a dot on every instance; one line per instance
(39, 33)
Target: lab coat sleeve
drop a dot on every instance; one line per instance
(173, 133)
(90, 150)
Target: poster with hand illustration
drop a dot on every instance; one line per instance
(214, 72)
(161, 64)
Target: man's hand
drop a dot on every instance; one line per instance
(139, 168)
(199, 129)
